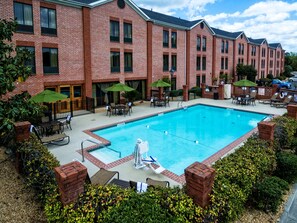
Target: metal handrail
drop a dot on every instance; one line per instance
(82, 147)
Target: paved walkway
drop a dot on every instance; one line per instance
(290, 212)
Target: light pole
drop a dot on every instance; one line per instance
(171, 71)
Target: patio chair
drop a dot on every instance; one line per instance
(268, 101)
(158, 183)
(155, 166)
(57, 139)
(102, 177)
(283, 104)
(67, 122)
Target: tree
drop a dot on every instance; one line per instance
(12, 67)
(247, 71)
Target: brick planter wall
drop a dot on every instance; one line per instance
(266, 130)
(292, 111)
(199, 181)
(71, 178)
(22, 131)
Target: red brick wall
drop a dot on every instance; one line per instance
(193, 55)
(219, 55)
(69, 41)
(101, 44)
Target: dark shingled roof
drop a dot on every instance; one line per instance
(231, 35)
(274, 45)
(257, 41)
(169, 19)
(84, 1)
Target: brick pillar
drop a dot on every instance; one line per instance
(292, 111)
(202, 90)
(71, 178)
(185, 92)
(22, 131)
(221, 91)
(199, 181)
(266, 130)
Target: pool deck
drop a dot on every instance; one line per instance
(80, 124)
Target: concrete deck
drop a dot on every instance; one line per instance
(67, 153)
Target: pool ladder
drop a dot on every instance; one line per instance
(96, 143)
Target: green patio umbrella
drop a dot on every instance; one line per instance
(48, 96)
(119, 87)
(160, 83)
(244, 83)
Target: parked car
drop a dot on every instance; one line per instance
(281, 84)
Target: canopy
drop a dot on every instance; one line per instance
(119, 87)
(244, 83)
(48, 96)
(160, 83)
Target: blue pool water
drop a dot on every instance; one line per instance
(179, 138)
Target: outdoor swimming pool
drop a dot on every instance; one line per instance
(179, 138)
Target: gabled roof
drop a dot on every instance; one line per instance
(257, 41)
(275, 45)
(169, 20)
(226, 34)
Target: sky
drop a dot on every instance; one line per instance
(276, 21)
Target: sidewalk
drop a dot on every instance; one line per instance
(290, 212)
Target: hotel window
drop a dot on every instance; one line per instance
(222, 63)
(198, 63)
(114, 62)
(48, 21)
(203, 63)
(203, 79)
(242, 49)
(165, 38)
(262, 74)
(114, 31)
(173, 39)
(50, 60)
(239, 48)
(238, 61)
(271, 63)
(165, 63)
(24, 17)
(226, 63)
(263, 52)
(278, 55)
(271, 53)
(262, 64)
(198, 43)
(128, 62)
(227, 47)
(31, 61)
(204, 43)
(127, 33)
(223, 46)
(198, 81)
(173, 62)
(277, 64)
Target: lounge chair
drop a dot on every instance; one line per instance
(57, 139)
(269, 101)
(154, 165)
(102, 177)
(152, 182)
(283, 104)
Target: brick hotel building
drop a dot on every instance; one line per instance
(83, 46)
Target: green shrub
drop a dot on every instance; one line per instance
(286, 166)
(284, 132)
(38, 167)
(294, 145)
(268, 193)
(236, 176)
